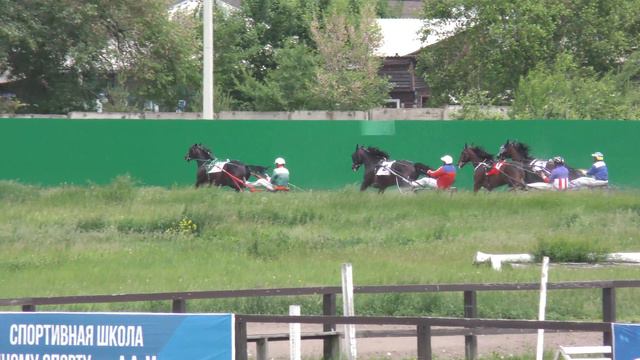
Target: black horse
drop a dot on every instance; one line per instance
(233, 173)
(381, 175)
(483, 162)
(519, 153)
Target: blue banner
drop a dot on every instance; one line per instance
(626, 341)
(117, 336)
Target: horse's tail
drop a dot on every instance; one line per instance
(422, 168)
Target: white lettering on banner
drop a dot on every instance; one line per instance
(65, 357)
(122, 336)
(47, 334)
(19, 357)
(133, 357)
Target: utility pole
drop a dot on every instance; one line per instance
(207, 66)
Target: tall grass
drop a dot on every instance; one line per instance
(122, 238)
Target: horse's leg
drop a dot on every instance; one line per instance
(488, 184)
(382, 183)
(366, 182)
(515, 180)
(476, 187)
(478, 182)
(236, 185)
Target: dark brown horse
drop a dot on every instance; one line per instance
(482, 163)
(233, 173)
(380, 174)
(519, 153)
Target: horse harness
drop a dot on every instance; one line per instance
(386, 166)
(534, 167)
(495, 168)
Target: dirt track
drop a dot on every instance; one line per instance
(443, 347)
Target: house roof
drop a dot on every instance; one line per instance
(402, 37)
(190, 6)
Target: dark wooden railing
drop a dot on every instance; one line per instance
(423, 326)
(329, 320)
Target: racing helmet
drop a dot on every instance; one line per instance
(280, 161)
(447, 159)
(558, 160)
(598, 156)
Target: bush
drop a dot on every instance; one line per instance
(565, 91)
(562, 249)
(9, 105)
(477, 105)
(122, 189)
(91, 224)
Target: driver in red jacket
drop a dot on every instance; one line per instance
(442, 178)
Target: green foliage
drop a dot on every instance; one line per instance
(276, 55)
(91, 224)
(568, 249)
(91, 243)
(288, 86)
(121, 190)
(65, 52)
(566, 91)
(11, 191)
(475, 105)
(10, 105)
(259, 44)
(118, 97)
(347, 77)
(498, 42)
(185, 226)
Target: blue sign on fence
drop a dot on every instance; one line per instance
(117, 336)
(626, 341)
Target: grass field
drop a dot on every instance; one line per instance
(121, 238)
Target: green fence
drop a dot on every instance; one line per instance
(318, 153)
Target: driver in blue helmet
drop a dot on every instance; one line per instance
(596, 176)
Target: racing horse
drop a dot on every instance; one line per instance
(233, 173)
(519, 152)
(380, 172)
(483, 163)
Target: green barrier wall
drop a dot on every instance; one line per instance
(318, 153)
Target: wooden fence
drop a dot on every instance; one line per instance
(330, 320)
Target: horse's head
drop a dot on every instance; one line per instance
(505, 150)
(358, 157)
(198, 152)
(367, 156)
(467, 155)
(473, 154)
(514, 150)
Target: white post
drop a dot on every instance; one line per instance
(295, 335)
(543, 305)
(348, 309)
(207, 66)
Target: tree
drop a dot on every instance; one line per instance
(250, 44)
(566, 91)
(287, 87)
(347, 78)
(62, 53)
(274, 55)
(499, 41)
